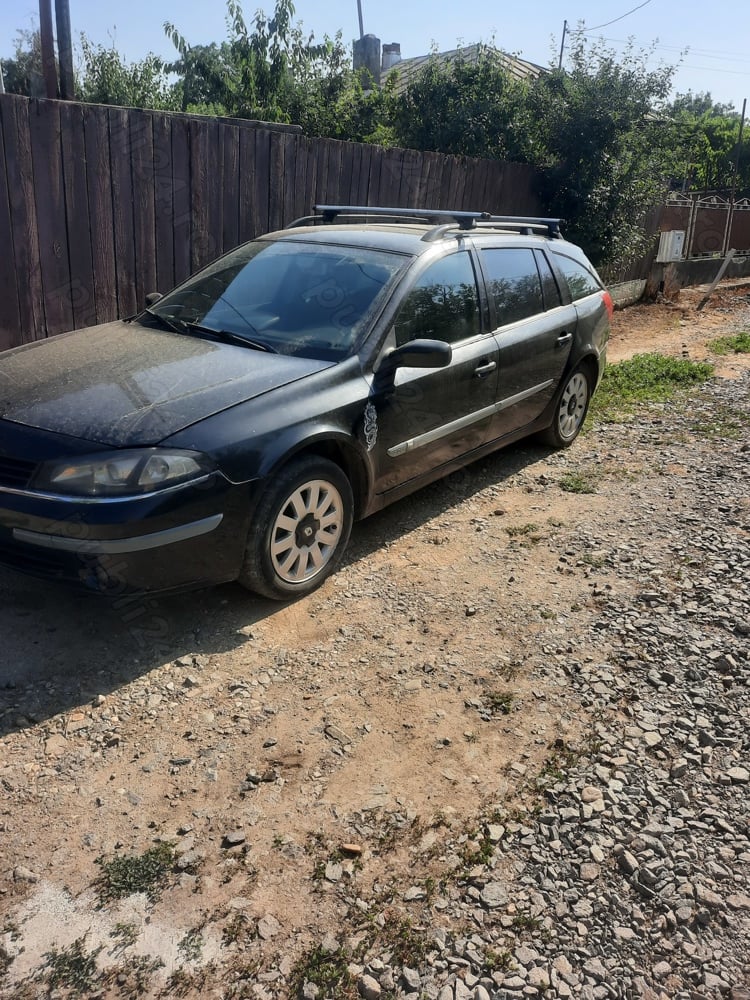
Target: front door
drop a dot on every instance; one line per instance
(428, 417)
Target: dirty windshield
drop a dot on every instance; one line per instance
(289, 297)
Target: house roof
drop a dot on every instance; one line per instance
(407, 70)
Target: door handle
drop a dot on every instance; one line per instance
(485, 369)
(564, 338)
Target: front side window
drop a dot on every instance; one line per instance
(443, 304)
(514, 283)
(581, 281)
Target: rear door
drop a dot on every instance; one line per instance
(534, 326)
(428, 417)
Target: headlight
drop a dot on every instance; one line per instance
(122, 473)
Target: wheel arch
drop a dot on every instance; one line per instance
(342, 452)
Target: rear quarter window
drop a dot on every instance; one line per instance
(581, 281)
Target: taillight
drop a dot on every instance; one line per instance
(610, 306)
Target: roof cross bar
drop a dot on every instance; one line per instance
(442, 218)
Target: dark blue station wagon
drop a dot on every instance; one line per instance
(236, 428)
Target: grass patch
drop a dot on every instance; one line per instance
(191, 946)
(72, 968)
(738, 344)
(407, 944)
(147, 872)
(499, 702)
(578, 482)
(644, 378)
(722, 422)
(328, 971)
(497, 961)
(521, 530)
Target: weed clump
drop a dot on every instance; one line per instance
(147, 873)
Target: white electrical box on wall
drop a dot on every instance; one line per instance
(671, 246)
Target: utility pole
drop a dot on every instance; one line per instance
(65, 50)
(361, 22)
(562, 44)
(49, 66)
(735, 170)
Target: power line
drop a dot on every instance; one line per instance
(689, 50)
(620, 18)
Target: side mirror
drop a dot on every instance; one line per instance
(152, 298)
(418, 354)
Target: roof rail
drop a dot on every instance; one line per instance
(443, 219)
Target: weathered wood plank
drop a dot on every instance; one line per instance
(144, 204)
(320, 196)
(351, 159)
(247, 193)
(77, 221)
(10, 317)
(373, 180)
(302, 159)
(163, 203)
(311, 176)
(101, 222)
(214, 201)
(230, 186)
(122, 210)
(200, 179)
(335, 193)
(262, 182)
(46, 155)
(23, 219)
(181, 180)
(363, 192)
(276, 182)
(291, 196)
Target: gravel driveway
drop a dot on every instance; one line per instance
(503, 753)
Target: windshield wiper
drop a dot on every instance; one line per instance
(168, 324)
(232, 338)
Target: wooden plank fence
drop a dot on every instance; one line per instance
(101, 205)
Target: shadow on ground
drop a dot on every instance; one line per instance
(60, 648)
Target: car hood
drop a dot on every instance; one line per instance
(124, 384)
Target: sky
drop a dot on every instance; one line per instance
(717, 57)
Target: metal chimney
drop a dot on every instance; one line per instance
(391, 55)
(367, 57)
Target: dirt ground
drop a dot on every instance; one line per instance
(284, 750)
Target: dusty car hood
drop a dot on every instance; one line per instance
(124, 384)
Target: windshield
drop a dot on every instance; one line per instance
(289, 296)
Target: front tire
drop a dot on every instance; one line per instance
(570, 412)
(299, 531)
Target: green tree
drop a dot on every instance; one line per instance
(106, 78)
(462, 107)
(596, 132)
(23, 73)
(709, 134)
(258, 71)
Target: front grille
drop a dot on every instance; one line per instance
(15, 472)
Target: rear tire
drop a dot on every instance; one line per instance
(570, 412)
(299, 531)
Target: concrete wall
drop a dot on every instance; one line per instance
(670, 278)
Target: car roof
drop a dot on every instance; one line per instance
(409, 238)
(411, 230)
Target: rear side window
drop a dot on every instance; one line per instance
(513, 283)
(581, 281)
(443, 304)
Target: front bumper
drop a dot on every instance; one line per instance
(186, 537)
